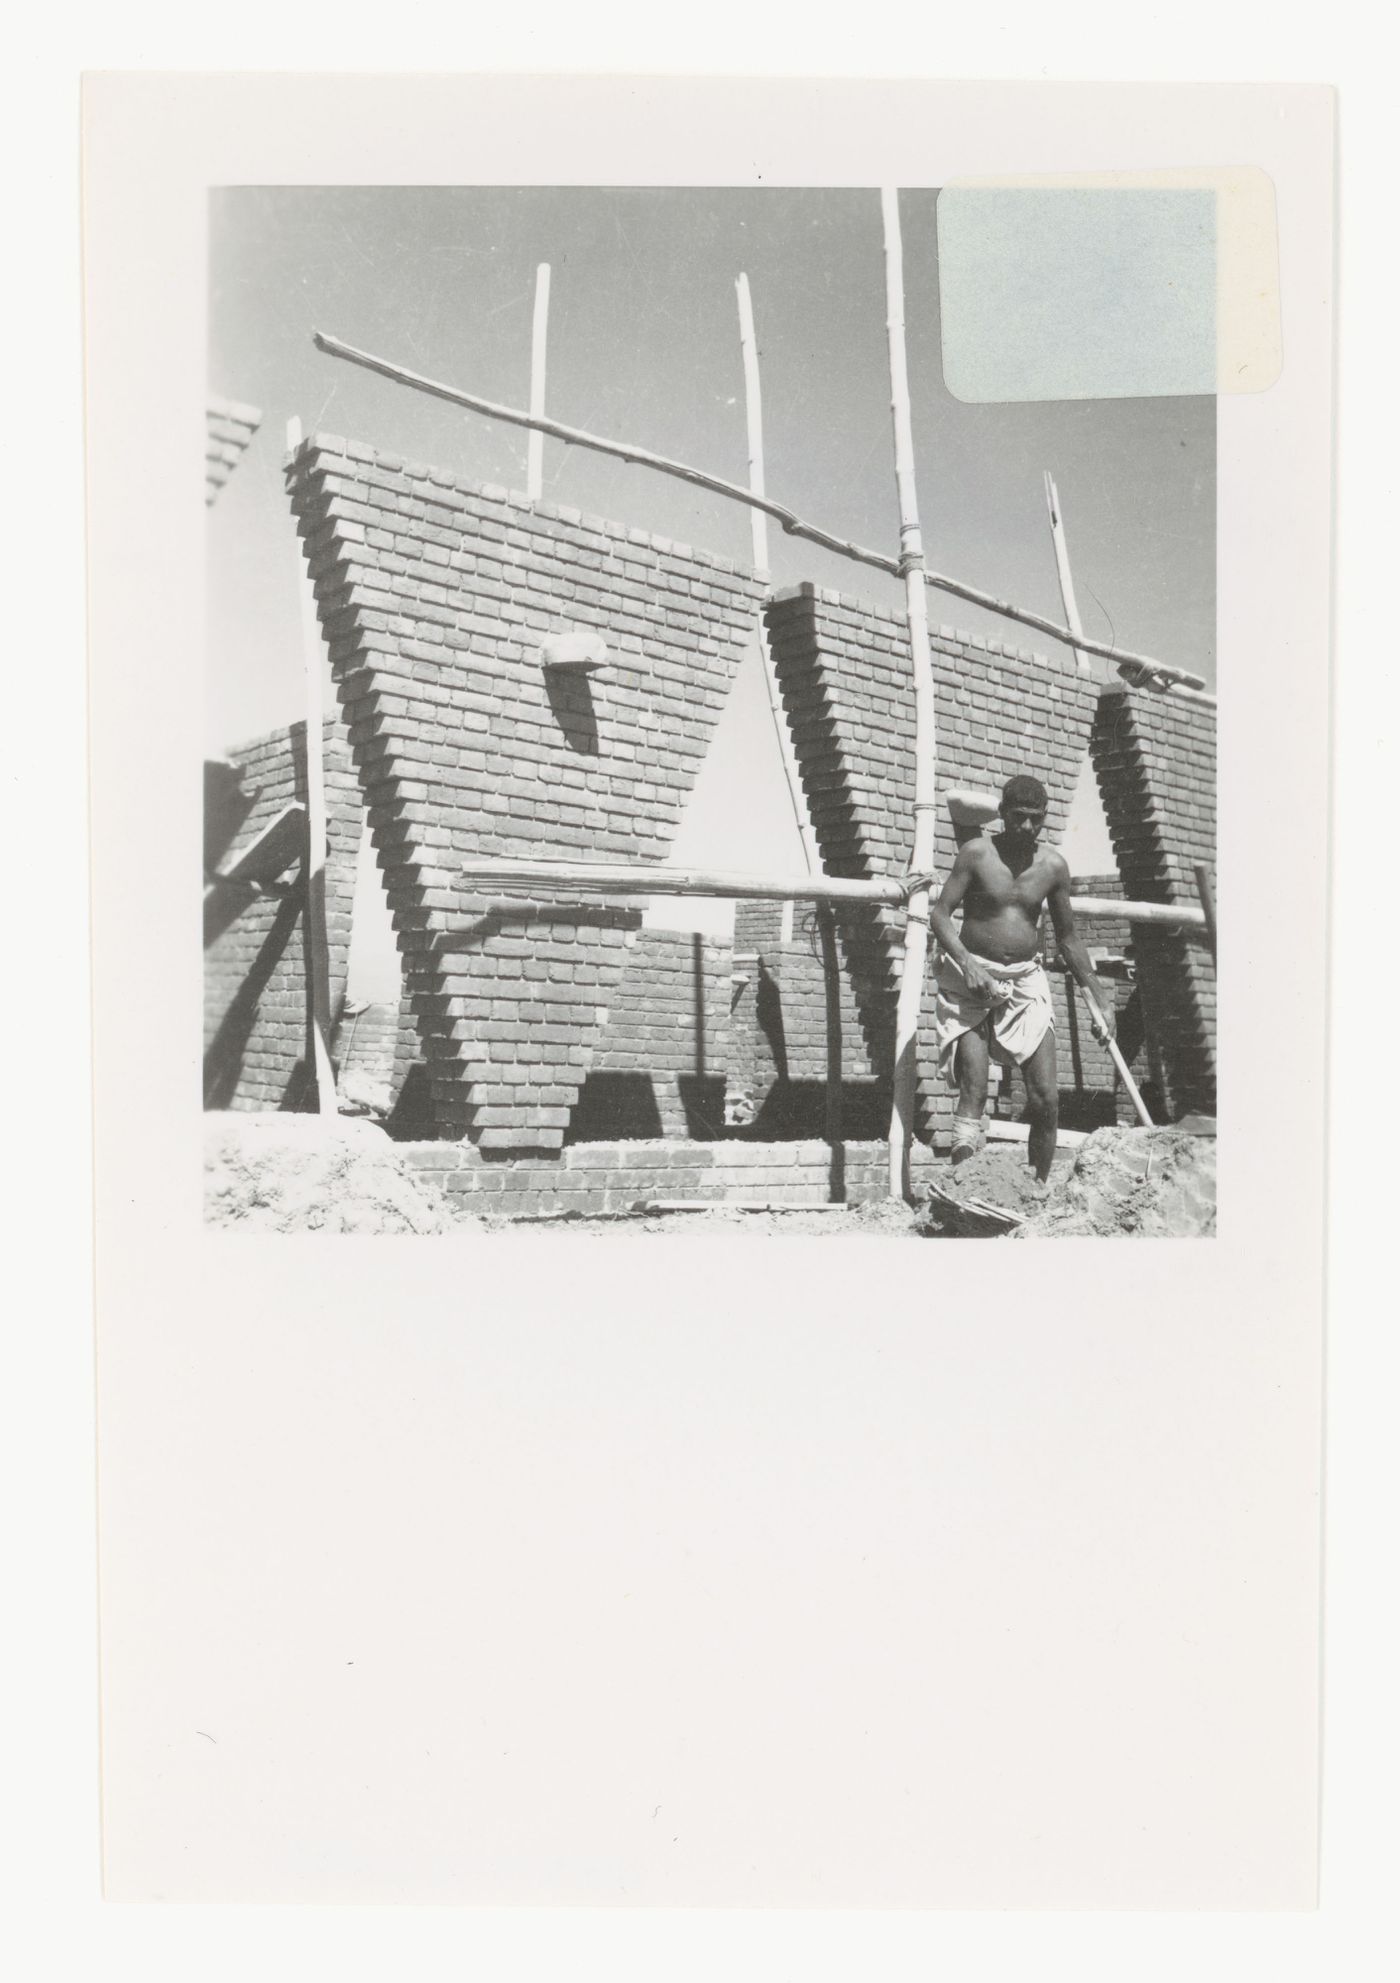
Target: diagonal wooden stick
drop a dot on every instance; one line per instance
(1102, 1029)
(1140, 665)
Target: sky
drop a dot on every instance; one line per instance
(643, 346)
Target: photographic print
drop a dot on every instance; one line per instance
(690, 620)
(728, 802)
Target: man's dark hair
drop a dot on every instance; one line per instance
(1024, 791)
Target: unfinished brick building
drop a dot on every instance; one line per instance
(255, 925)
(556, 1050)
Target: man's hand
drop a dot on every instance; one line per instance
(980, 977)
(1103, 1020)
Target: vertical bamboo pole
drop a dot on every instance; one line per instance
(1207, 897)
(1067, 598)
(835, 1125)
(317, 946)
(911, 560)
(534, 457)
(753, 412)
(753, 416)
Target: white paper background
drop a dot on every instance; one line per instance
(891, 1577)
(48, 1803)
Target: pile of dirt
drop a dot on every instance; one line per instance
(1147, 1183)
(305, 1173)
(1000, 1175)
(311, 1173)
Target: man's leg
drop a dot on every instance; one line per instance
(970, 1064)
(1042, 1106)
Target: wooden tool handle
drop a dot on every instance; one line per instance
(1134, 1092)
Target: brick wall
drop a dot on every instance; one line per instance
(779, 1031)
(661, 1060)
(701, 1041)
(844, 671)
(591, 1178)
(1154, 756)
(255, 942)
(435, 595)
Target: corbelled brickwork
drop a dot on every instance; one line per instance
(255, 1013)
(435, 596)
(844, 670)
(228, 429)
(1154, 756)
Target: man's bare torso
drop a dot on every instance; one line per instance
(1003, 901)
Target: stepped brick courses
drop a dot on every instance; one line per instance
(434, 596)
(843, 668)
(1154, 756)
(229, 428)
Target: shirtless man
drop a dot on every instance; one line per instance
(993, 995)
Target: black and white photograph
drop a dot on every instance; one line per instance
(758, 653)
(690, 620)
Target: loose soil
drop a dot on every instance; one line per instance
(1000, 1175)
(309, 1173)
(1139, 1183)
(1144, 1183)
(302, 1173)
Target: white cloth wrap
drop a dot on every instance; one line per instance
(1019, 1009)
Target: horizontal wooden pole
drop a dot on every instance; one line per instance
(617, 878)
(1171, 915)
(1140, 666)
(611, 878)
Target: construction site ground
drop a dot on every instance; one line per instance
(292, 1173)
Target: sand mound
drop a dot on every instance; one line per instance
(1148, 1183)
(1000, 1175)
(308, 1173)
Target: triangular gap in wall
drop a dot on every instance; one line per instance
(1086, 844)
(375, 975)
(739, 814)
